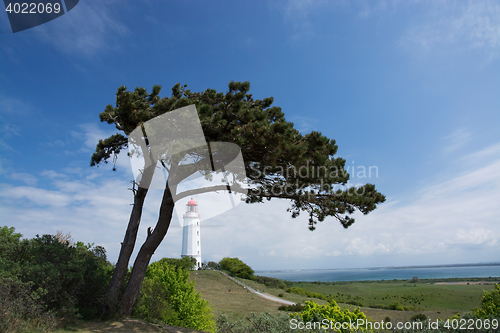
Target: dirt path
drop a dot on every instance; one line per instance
(263, 295)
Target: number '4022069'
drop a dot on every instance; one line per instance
(33, 8)
(471, 324)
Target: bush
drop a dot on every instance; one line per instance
(490, 303)
(237, 268)
(395, 306)
(187, 263)
(271, 282)
(418, 317)
(54, 279)
(212, 265)
(314, 312)
(21, 309)
(294, 308)
(263, 323)
(169, 297)
(357, 303)
(306, 293)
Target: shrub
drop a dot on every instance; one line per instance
(43, 279)
(271, 282)
(307, 293)
(264, 323)
(315, 313)
(212, 265)
(237, 268)
(395, 306)
(22, 309)
(294, 308)
(418, 317)
(169, 297)
(187, 262)
(490, 303)
(357, 303)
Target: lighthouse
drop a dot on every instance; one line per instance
(191, 233)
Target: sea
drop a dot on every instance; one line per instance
(386, 273)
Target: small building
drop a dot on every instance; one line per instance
(191, 245)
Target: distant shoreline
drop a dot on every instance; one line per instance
(377, 268)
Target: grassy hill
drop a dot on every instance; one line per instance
(226, 296)
(434, 300)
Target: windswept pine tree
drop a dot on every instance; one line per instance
(279, 162)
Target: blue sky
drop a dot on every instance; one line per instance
(409, 87)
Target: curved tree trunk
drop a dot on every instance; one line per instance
(148, 248)
(111, 301)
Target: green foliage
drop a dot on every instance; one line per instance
(263, 323)
(307, 293)
(271, 282)
(490, 303)
(314, 312)
(186, 263)
(212, 265)
(52, 278)
(21, 309)
(273, 150)
(237, 268)
(357, 303)
(169, 297)
(418, 317)
(294, 308)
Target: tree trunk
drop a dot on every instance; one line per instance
(148, 248)
(112, 299)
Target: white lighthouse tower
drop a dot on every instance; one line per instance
(191, 233)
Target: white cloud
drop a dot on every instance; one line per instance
(453, 220)
(90, 28)
(456, 27)
(38, 196)
(297, 13)
(27, 178)
(456, 140)
(9, 105)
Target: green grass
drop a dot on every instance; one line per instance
(277, 291)
(228, 297)
(436, 301)
(422, 296)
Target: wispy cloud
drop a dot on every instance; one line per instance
(456, 140)
(304, 124)
(26, 178)
(455, 219)
(296, 13)
(90, 28)
(456, 27)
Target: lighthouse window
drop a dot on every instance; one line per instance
(198, 243)
(197, 233)
(197, 223)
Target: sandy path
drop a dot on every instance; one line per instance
(263, 295)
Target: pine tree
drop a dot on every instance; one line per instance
(276, 156)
